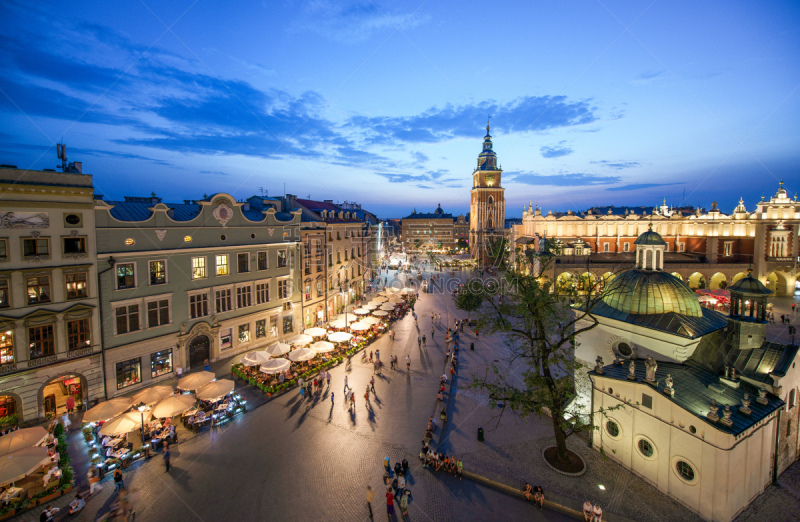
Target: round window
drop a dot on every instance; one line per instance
(129, 241)
(685, 470)
(252, 236)
(612, 428)
(223, 237)
(692, 429)
(624, 349)
(645, 448)
(72, 219)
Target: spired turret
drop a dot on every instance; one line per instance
(748, 316)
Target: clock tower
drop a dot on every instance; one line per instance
(487, 204)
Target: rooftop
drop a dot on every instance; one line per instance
(678, 324)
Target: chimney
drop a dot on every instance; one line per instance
(78, 166)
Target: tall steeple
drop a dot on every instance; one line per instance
(487, 159)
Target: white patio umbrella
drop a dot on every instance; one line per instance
(370, 320)
(153, 394)
(302, 354)
(340, 337)
(315, 332)
(394, 300)
(381, 299)
(256, 358)
(278, 349)
(275, 366)
(359, 327)
(108, 409)
(361, 311)
(380, 313)
(322, 346)
(197, 380)
(370, 306)
(174, 405)
(18, 465)
(408, 291)
(301, 340)
(20, 439)
(338, 323)
(215, 390)
(388, 306)
(349, 317)
(125, 423)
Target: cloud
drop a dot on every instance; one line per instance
(214, 172)
(354, 22)
(560, 180)
(555, 151)
(525, 114)
(431, 176)
(419, 157)
(639, 186)
(617, 165)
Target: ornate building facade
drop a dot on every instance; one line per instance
(428, 231)
(487, 201)
(705, 249)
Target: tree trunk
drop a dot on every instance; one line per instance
(561, 438)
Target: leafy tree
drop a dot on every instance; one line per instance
(462, 244)
(469, 302)
(417, 243)
(539, 329)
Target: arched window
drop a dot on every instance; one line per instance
(491, 200)
(489, 223)
(658, 260)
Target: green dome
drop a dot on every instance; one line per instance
(646, 292)
(650, 238)
(749, 285)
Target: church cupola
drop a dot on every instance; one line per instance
(487, 159)
(748, 314)
(650, 248)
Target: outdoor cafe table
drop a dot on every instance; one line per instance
(11, 493)
(113, 443)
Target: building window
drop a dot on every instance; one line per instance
(127, 318)
(791, 399)
(8, 406)
(273, 326)
(281, 258)
(76, 285)
(261, 260)
(626, 247)
(198, 305)
(728, 248)
(160, 363)
(244, 333)
(283, 289)
(684, 470)
(261, 328)
(158, 272)
(645, 448)
(624, 349)
(74, 245)
(243, 262)
(319, 288)
(3, 249)
(42, 341)
(288, 324)
(338, 257)
(198, 268)
(157, 313)
(262, 293)
(222, 264)
(129, 373)
(5, 296)
(38, 289)
(39, 246)
(7, 347)
(606, 247)
(308, 267)
(647, 401)
(226, 338)
(681, 246)
(223, 300)
(244, 296)
(126, 276)
(78, 334)
(612, 428)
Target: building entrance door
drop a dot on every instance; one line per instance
(199, 351)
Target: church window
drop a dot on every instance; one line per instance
(791, 399)
(624, 349)
(491, 200)
(612, 428)
(684, 470)
(647, 401)
(645, 448)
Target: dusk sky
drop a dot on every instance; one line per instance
(385, 103)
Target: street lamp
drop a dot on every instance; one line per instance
(142, 407)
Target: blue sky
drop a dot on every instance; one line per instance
(385, 103)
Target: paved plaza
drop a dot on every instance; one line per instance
(313, 459)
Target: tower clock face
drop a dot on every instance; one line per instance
(490, 179)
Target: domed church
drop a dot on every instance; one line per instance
(705, 402)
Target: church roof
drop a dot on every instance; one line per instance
(695, 388)
(749, 285)
(687, 326)
(647, 292)
(651, 237)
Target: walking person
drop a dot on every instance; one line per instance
(370, 496)
(408, 363)
(328, 378)
(345, 383)
(94, 480)
(366, 397)
(118, 482)
(331, 398)
(70, 404)
(166, 457)
(423, 341)
(390, 503)
(372, 384)
(419, 342)
(352, 401)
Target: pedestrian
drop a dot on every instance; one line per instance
(302, 393)
(352, 400)
(328, 378)
(370, 496)
(432, 332)
(419, 342)
(389, 502)
(166, 457)
(372, 384)
(378, 355)
(404, 504)
(408, 363)
(118, 483)
(370, 356)
(70, 404)
(423, 341)
(94, 480)
(587, 511)
(331, 397)
(366, 397)
(345, 383)
(597, 513)
(207, 367)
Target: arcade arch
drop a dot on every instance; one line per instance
(718, 281)
(696, 280)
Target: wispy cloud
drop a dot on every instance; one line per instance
(640, 186)
(555, 151)
(560, 180)
(617, 165)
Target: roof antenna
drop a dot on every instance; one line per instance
(61, 149)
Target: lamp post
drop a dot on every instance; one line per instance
(142, 407)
